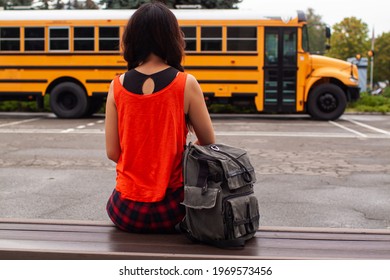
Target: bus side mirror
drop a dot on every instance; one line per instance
(327, 32)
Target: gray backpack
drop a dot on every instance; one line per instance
(221, 208)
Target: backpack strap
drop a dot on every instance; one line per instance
(203, 175)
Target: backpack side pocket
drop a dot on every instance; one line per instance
(241, 215)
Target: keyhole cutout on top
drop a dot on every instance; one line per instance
(148, 86)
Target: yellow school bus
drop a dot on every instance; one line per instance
(239, 57)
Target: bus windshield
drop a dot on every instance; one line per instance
(315, 34)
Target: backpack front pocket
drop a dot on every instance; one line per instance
(194, 198)
(241, 216)
(203, 213)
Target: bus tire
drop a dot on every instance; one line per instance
(327, 102)
(68, 100)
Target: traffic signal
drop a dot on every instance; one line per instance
(371, 53)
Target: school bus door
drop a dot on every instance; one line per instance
(280, 69)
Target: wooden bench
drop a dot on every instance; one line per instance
(47, 239)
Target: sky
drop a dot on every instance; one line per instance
(375, 13)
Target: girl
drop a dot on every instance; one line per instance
(148, 111)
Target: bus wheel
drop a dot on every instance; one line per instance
(68, 100)
(327, 102)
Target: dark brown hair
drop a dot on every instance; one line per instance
(153, 28)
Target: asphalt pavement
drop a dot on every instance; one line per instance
(309, 173)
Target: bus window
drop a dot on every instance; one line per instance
(84, 38)
(242, 39)
(290, 47)
(109, 38)
(190, 37)
(271, 48)
(34, 38)
(59, 38)
(305, 39)
(9, 39)
(211, 38)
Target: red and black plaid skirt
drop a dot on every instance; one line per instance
(147, 217)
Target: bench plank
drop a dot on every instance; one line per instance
(80, 240)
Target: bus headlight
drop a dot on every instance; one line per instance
(353, 80)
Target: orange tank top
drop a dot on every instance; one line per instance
(152, 135)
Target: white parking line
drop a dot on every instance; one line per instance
(284, 134)
(19, 122)
(67, 130)
(87, 129)
(348, 129)
(369, 127)
(80, 127)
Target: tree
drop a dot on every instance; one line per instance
(316, 29)
(382, 57)
(206, 4)
(11, 3)
(349, 38)
(87, 4)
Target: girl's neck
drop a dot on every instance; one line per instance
(152, 64)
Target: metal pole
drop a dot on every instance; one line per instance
(372, 60)
(372, 73)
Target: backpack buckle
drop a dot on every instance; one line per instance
(214, 147)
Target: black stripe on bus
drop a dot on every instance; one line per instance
(220, 54)
(244, 94)
(19, 93)
(209, 94)
(61, 54)
(114, 53)
(228, 81)
(99, 93)
(32, 81)
(92, 81)
(90, 67)
(98, 81)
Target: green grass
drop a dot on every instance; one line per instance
(372, 103)
(23, 106)
(230, 109)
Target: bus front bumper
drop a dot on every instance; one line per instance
(353, 93)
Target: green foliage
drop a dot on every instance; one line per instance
(17, 106)
(349, 38)
(15, 2)
(207, 4)
(231, 109)
(316, 29)
(51, 4)
(372, 103)
(386, 92)
(23, 106)
(382, 57)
